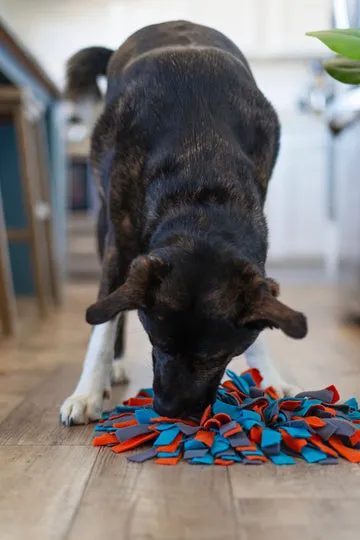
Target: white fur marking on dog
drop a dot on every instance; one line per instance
(86, 403)
(258, 356)
(118, 372)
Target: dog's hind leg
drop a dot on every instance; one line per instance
(118, 373)
(258, 356)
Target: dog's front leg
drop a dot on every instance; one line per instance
(258, 356)
(86, 402)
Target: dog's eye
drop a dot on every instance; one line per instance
(159, 318)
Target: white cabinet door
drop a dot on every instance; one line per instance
(266, 28)
(296, 205)
(286, 22)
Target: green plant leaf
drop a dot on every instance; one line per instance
(343, 69)
(344, 42)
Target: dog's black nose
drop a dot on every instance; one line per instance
(169, 409)
(178, 408)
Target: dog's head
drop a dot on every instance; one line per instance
(199, 311)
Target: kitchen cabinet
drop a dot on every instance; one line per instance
(346, 152)
(18, 69)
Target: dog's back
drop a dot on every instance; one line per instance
(168, 37)
(184, 97)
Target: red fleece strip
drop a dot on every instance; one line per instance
(206, 415)
(294, 444)
(168, 460)
(128, 423)
(171, 447)
(264, 459)
(316, 441)
(354, 439)
(115, 416)
(348, 453)
(105, 439)
(223, 418)
(224, 462)
(312, 421)
(138, 402)
(290, 405)
(256, 375)
(249, 448)
(206, 437)
(271, 392)
(233, 431)
(211, 423)
(256, 433)
(166, 420)
(336, 395)
(134, 442)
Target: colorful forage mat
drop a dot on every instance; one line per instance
(245, 425)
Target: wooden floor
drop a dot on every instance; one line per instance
(54, 485)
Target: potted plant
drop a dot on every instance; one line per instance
(345, 66)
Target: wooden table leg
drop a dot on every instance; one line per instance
(28, 159)
(44, 181)
(8, 315)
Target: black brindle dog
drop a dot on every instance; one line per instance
(182, 154)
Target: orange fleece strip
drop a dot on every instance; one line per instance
(171, 447)
(205, 437)
(256, 433)
(264, 459)
(128, 423)
(205, 415)
(354, 439)
(165, 419)
(348, 453)
(133, 443)
(233, 431)
(168, 460)
(223, 418)
(312, 421)
(105, 439)
(224, 462)
(294, 444)
(316, 441)
(271, 392)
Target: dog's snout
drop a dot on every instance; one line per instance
(168, 409)
(181, 390)
(179, 408)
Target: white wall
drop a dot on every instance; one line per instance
(270, 32)
(55, 29)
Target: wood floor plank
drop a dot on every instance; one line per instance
(138, 502)
(47, 490)
(40, 490)
(322, 514)
(302, 481)
(300, 532)
(36, 420)
(8, 402)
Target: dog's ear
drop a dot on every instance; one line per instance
(145, 274)
(273, 287)
(269, 311)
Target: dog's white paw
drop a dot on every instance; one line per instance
(118, 373)
(82, 408)
(281, 387)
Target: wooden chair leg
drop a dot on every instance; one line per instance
(37, 242)
(8, 316)
(44, 181)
